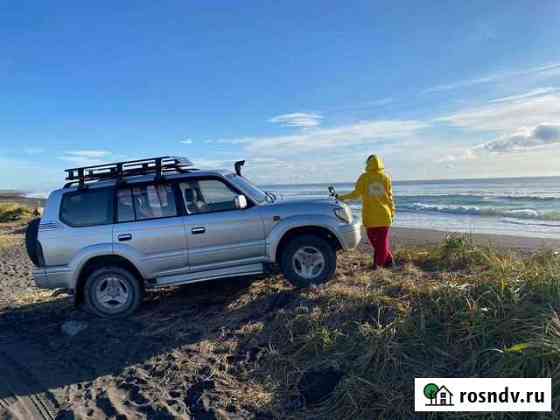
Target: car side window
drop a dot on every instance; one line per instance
(87, 208)
(146, 202)
(207, 196)
(125, 207)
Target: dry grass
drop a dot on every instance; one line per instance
(456, 310)
(7, 241)
(11, 212)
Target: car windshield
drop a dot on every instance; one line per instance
(255, 192)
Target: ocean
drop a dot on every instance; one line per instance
(511, 206)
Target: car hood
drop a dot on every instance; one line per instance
(306, 206)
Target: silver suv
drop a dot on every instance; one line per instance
(115, 230)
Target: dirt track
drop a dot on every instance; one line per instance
(21, 395)
(185, 354)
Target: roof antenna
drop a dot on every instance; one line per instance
(238, 165)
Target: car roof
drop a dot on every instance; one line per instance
(147, 178)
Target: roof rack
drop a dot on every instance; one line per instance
(158, 166)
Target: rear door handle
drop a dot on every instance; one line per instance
(198, 230)
(124, 237)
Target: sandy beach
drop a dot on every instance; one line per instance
(421, 237)
(191, 352)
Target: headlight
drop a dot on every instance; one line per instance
(344, 214)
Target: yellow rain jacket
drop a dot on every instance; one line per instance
(376, 192)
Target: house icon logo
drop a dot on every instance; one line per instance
(438, 396)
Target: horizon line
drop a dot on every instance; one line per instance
(422, 180)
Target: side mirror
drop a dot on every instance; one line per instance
(240, 202)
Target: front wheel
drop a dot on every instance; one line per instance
(308, 260)
(112, 292)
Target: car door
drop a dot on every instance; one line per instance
(150, 229)
(218, 233)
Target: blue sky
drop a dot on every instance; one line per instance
(303, 90)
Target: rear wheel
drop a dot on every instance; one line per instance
(308, 260)
(112, 292)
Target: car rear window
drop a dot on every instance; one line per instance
(87, 208)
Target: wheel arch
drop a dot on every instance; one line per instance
(99, 261)
(319, 231)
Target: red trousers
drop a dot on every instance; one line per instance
(379, 240)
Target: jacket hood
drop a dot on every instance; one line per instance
(374, 164)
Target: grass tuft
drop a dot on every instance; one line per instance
(12, 212)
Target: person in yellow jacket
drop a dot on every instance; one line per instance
(375, 190)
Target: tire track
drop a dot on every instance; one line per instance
(21, 395)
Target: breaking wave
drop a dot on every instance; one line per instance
(524, 213)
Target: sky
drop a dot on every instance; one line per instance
(304, 91)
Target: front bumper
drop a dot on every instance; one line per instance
(52, 277)
(350, 235)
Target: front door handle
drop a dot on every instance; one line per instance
(124, 237)
(198, 230)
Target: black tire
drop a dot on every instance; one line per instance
(308, 242)
(31, 242)
(125, 279)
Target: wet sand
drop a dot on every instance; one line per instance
(420, 237)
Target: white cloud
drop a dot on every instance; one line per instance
(460, 84)
(240, 140)
(549, 69)
(204, 163)
(362, 133)
(552, 72)
(86, 157)
(329, 139)
(530, 94)
(522, 140)
(186, 141)
(516, 123)
(298, 119)
(317, 154)
(209, 163)
(507, 116)
(525, 139)
(462, 155)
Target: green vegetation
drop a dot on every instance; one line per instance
(456, 310)
(12, 212)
